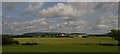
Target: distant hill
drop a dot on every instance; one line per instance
(52, 34)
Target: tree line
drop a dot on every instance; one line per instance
(8, 39)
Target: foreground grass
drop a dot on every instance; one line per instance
(59, 48)
(63, 45)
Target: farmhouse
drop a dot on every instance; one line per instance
(58, 35)
(73, 35)
(78, 35)
(63, 35)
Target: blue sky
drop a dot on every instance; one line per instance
(85, 17)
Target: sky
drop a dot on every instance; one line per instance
(68, 17)
(0, 18)
(60, 0)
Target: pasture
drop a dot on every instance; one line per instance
(54, 41)
(63, 45)
(59, 48)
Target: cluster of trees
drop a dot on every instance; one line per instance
(115, 33)
(44, 34)
(7, 40)
(40, 34)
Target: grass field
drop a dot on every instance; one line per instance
(60, 48)
(63, 45)
(92, 40)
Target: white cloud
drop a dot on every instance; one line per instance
(59, 10)
(31, 8)
(104, 24)
(68, 17)
(43, 22)
(65, 23)
(21, 27)
(108, 22)
(29, 27)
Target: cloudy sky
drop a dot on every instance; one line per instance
(85, 17)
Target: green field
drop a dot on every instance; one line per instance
(63, 45)
(92, 40)
(60, 48)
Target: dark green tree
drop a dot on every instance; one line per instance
(115, 33)
(6, 40)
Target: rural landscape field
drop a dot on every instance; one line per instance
(77, 41)
(64, 45)
(36, 27)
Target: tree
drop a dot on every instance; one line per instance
(6, 40)
(115, 33)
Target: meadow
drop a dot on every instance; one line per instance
(60, 48)
(63, 45)
(54, 41)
